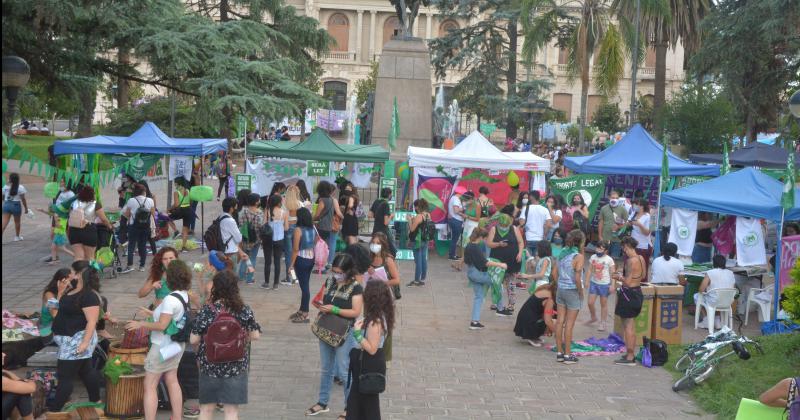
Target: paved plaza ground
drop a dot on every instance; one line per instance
(441, 370)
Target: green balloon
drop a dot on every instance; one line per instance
(51, 189)
(201, 193)
(5, 166)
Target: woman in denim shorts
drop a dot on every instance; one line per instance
(13, 201)
(570, 294)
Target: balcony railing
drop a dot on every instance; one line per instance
(562, 68)
(650, 71)
(340, 56)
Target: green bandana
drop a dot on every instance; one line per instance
(566, 251)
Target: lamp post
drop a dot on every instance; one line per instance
(16, 74)
(535, 108)
(794, 105)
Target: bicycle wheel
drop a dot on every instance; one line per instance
(700, 377)
(683, 383)
(684, 362)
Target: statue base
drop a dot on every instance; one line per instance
(404, 72)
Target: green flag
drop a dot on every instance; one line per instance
(394, 129)
(789, 178)
(726, 164)
(590, 187)
(664, 169)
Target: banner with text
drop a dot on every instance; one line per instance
(790, 252)
(590, 187)
(267, 172)
(436, 188)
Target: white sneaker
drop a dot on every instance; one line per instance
(17, 238)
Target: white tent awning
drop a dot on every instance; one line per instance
(475, 151)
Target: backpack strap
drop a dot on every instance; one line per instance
(792, 397)
(183, 302)
(224, 244)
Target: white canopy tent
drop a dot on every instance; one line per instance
(475, 151)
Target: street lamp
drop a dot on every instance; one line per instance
(794, 104)
(535, 109)
(16, 74)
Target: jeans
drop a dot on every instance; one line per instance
(302, 267)
(193, 205)
(270, 255)
(287, 246)
(331, 241)
(22, 402)
(138, 238)
(531, 249)
(479, 280)
(421, 263)
(252, 254)
(456, 226)
(333, 359)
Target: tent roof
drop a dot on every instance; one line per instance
(638, 153)
(754, 154)
(318, 146)
(147, 139)
(742, 193)
(476, 152)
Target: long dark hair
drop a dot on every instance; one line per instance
(13, 179)
(89, 276)
(386, 252)
(304, 218)
(156, 267)
(304, 195)
(348, 266)
(52, 287)
(379, 305)
(273, 202)
(225, 290)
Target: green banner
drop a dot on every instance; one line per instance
(590, 187)
(318, 168)
(137, 165)
(243, 182)
(488, 128)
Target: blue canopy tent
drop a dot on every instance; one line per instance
(147, 139)
(638, 153)
(747, 192)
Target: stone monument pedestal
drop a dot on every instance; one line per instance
(404, 72)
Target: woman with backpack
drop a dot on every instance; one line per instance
(223, 329)
(169, 330)
(327, 210)
(81, 227)
(367, 358)
(304, 238)
(139, 211)
(13, 201)
(74, 331)
(419, 236)
(341, 302)
(251, 218)
(486, 204)
(273, 244)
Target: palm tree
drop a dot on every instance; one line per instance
(583, 27)
(663, 23)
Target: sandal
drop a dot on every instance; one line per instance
(301, 319)
(294, 315)
(317, 409)
(342, 416)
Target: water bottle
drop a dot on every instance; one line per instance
(292, 275)
(29, 214)
(52, 303)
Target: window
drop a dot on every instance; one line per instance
(563, 103)
(391, 27)
(563, 56)
(336, 93)
(592, 104)
(339, 29)
(447, 26)
(650, 58)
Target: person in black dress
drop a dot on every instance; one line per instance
(506, 245)
(348, 202)
(536, 315)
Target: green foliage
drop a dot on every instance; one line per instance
(124, 121)
(735, 379)
(366, 86)
(792, 292)
(607, 117)
(700, 118)
(573, 133)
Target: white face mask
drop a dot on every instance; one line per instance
(524, 201)
(613, 202)
(375, 248)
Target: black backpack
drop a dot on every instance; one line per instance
(428, 229)
(658, 351)
(579, 222)
(141, 218)
(182, 336)
(265, 233)
(213, 236)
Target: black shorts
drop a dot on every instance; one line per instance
(184, 214)
(629, 302)
(86, 236)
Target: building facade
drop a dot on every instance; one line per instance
(361, 28)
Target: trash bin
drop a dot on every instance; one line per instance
(642, 323)
(668, 314)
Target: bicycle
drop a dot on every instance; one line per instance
(700, 359)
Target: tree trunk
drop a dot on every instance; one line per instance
(511, 77)
(224, 7)
(750, 132)
(585, 68)
(123, 85)
(659, 97)
(88, 100)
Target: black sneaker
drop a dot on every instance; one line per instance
(412, 284)
(560, 357)
(127, 269)
(420, 283)
(265, 286)
(474, 325)
(623, 361)
(570, 359)
(505, 312)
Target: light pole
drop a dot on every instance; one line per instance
(535, 109)
(794, 105)
(16, 74)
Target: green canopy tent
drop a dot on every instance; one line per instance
(319, 146)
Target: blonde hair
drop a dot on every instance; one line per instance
(292, 201)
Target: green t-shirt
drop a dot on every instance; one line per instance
(610, 217)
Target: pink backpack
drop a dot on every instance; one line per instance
(320, 253)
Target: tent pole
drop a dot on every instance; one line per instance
(777, 292)
(657, 244)
(172, 135)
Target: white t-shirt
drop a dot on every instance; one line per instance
(636, 233)
(20, 192)
(535, 215)
(559, 214)
(230, 234)
(170, 305)
(601, 269)
(719, 278)
(64, 196)
(134, 203)
(455, 201)
(666, 272)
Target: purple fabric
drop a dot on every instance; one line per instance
(613, 343)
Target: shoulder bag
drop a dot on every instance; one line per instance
(372, 380)
(330, 328)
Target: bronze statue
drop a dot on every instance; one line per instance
(407, 17)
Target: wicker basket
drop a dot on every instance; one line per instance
(132, 356)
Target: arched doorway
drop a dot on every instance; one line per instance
(339, 29)
(390, 27)
(336, 92)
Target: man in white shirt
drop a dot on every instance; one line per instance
(231, 236)
(535, 218)
(667, 268)
(455, 221)
(139, 211)
(717, 278)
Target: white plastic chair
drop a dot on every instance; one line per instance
(764, 307)
(723, 306)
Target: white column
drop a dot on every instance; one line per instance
(428, 23)
(359, 30)
(415, 29)
(372, 14)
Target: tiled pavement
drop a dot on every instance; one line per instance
(441, 370)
